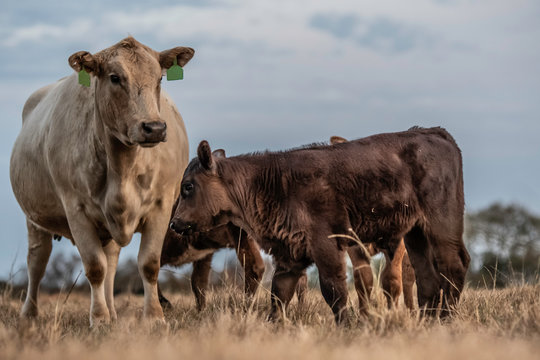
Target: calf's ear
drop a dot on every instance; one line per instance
(83, 59)
(181, 54)
(337, 140)
(205, 155)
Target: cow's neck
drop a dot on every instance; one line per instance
(119, 169)
(119, 158)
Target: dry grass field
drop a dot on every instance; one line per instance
(489, 324)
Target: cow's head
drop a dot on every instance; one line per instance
(126, 80)
(205, 197)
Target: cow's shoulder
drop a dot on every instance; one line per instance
(34, 99)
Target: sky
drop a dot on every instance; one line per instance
(278, 74)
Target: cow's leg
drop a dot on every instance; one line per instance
(112, 251)
(332, 268)
(199, 280)
(407, 276)
(148, 260)
(39, 250)
(301, 288)
(422, 259)
(391, 275)
(363, 276)
(94, 261)
(283, 286)
(249, 255)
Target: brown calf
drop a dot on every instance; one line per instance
(199, 248)
(386, 187)
(397, 276)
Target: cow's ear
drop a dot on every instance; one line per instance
(181, 54)
(205, 155)
(219, 153)
(337, 140)
(83, 59)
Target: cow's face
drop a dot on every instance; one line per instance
(126, 80)
(205, 197)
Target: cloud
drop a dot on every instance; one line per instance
(47, 32)
(381, 34)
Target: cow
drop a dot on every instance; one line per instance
(98, 163)
(383, 187)
(396, 277)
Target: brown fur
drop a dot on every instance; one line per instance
(394, 281)
(199, 248)
(384, 187)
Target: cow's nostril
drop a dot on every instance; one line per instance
(147, 128)
(153, 127)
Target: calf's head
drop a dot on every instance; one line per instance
(126, 81)
(205, 201)
(182, 249)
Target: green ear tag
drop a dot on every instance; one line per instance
(84, 78)
(175, 72)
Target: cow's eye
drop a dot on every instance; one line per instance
(115, 79)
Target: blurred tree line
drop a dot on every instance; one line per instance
(503, 240)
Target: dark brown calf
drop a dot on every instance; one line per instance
(396, 277)
(384, 187)
(199, 248)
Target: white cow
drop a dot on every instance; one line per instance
(97, 164)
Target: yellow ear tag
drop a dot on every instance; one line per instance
(84, 78)
(175, 72)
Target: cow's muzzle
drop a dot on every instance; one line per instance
(152, 133)
(181, 227)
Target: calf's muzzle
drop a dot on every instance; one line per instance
(182, 228)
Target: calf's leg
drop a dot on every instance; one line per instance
(363, 276)
(452, 263)
(301, 288)
(407, 277)
(249, 255)
(332, 268)
(283, 286)
(428, 281)
(199, 280)
(391, 275)
(163, 301)
(39, 250)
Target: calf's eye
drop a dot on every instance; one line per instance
(187, 188)
(115, 79)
